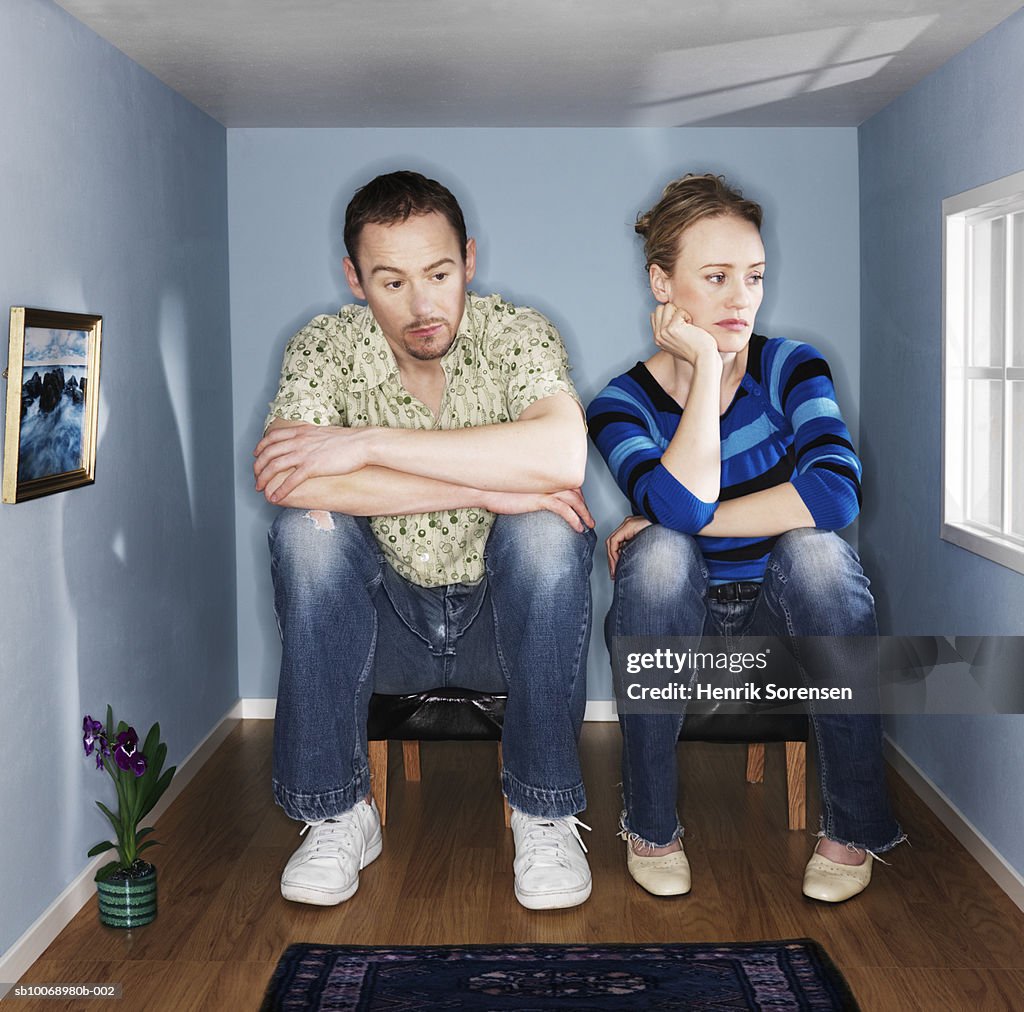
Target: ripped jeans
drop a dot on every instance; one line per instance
(814, 587)
(350, 625)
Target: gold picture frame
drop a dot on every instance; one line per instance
(53, 373)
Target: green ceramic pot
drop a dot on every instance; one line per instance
(128, 902)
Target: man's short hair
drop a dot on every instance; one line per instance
(394, 197)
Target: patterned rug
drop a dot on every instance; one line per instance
(535, 978)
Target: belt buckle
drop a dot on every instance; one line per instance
(738, 590)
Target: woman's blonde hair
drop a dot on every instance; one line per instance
(683, 203)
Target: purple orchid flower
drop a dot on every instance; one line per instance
(94, 738)
(91, 731)
(126, 753)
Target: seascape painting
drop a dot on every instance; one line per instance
(52, 401)
(54, 388)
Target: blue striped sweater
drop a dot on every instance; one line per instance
(783, 425)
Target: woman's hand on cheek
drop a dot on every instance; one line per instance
(675, 333)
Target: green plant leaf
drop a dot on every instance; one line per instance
(100, 848)
(155, 764)
(151, 742)
(107, 870)
(131, 792)
(139, 802)
(151, 750)
(154, 753)
(110, 720)
(161, 785)
(114, 820)
(123, 811)
(149, 843)
(144, 832)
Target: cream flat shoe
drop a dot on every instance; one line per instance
(832, 882)
(667, 875)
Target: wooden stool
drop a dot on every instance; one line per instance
(436, 715)
(466, 715)
(755, 729)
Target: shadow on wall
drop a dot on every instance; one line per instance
(141, 572)
(872, 512)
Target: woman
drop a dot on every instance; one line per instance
(733, 454)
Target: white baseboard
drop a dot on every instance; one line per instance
(52, 921)
(258, 709)
(263, 709)
(601, 709)
(974, 841)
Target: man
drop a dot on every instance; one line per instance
(429, 447)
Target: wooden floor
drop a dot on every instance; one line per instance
(932, 932)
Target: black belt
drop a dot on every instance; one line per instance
(734, 591)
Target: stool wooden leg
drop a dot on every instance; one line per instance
(504, 800)
(379, 777)
(755, 762)
(411, 759)
(796, 783)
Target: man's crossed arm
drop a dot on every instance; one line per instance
(534, 463)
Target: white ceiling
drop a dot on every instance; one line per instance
(540, 62)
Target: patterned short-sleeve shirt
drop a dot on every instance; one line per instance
(340, 370)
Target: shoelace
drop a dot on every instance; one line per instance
(544, 840)
(331, 836)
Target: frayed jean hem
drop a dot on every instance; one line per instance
(325, 805)
(625, 833)
(899, 838)
(551, 804)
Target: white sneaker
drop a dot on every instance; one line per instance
(550, 868)
(325, 869)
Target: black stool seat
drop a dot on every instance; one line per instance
(744, 727)
(436, 715)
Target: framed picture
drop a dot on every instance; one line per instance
(53, 372)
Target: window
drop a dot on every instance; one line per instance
(983, 371)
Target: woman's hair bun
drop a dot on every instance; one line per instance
(683, 203)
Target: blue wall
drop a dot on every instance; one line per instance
(113, 198)
(553, 213)
(959, 128)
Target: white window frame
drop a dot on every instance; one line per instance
(1000, 199)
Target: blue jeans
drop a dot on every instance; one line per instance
(813, 587)
(350, 625)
